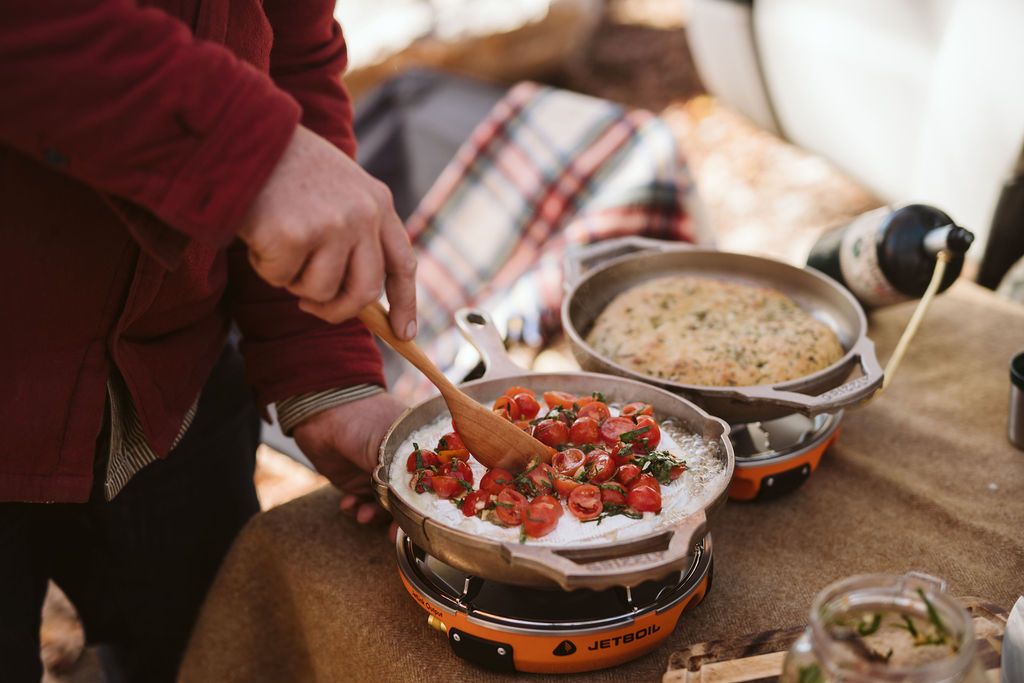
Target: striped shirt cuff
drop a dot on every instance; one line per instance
(293, 410)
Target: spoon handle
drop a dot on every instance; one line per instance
(376, 319)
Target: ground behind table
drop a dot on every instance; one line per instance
(921, 479)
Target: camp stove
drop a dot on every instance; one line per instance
(512, 628)
(774, 457)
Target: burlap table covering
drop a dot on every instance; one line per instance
(923, 478)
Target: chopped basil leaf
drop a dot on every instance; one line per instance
(628, 437)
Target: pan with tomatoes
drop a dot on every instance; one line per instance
(620, 447)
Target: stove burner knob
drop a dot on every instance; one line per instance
(436, 624)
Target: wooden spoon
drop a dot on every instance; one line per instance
(492, 440)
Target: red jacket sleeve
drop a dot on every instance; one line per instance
(288, 352)
(126, 100)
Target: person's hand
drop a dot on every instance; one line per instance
(342, 444)
(327, 231)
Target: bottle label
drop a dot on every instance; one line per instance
(858, 261)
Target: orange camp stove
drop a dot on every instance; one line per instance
(777, 456)
(512, 628)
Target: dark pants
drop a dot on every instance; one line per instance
(136, 568)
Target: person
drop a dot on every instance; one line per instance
(168, 169)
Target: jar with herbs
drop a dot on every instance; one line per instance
(880, 627)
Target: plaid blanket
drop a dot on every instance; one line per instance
(545, 170)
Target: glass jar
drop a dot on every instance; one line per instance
(853, 619)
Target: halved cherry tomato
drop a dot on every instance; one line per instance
(676, 472)
(614, 426)
(559, 399)
(509, 506)
(627, 474)
(551, 432)
(622, 453)
(541, 481)
(646, 480)
(528, 405)
(569, 461)
(507, 408)
(637, 408)
(495, 480)
(564, 485)
(475, 503)
(585, 430)
(585, 502)
(459, 469)
(513, 391)
(541, 516)
(460, 454)
(422, 481)
(650, 439)
(421, 459)
(595, 409)
(446, 486)
(450, 442)
(644, 499)
(613, 494)
(600, 466)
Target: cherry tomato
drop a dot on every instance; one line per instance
(648, 481)
(528, 406)
(650, 439)
(450, 442)
(475, 503)
(585, 502)
(559, 399)
(622, 454)
(595, 409)
(600, 466)
(446, 486)
(510, 506)
(459, 469)
(541, 516)
(421, 459)
(644, 499)
(551, 432)
(613, 494)
(460, 454)
(569, 461)
(615, 426)
(627, 475)
(676, 472)
(495, 480)
(540, 478)
(524, 425)
(564, 485)
(585, 430)
(422, 481)
(507, 408)
(515, 391)
(637, 408)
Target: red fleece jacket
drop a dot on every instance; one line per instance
(132, 141)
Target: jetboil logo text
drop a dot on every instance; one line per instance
(624, 639)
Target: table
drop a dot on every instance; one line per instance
(923, 478)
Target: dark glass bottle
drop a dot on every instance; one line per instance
(888, 255)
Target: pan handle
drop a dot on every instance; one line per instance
(580, 258)
(850, 393)
(628, 570)
(479, 330)
(379, 480)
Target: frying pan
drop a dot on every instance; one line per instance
(596, 563)
(826, 391)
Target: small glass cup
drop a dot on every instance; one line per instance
(821, 655)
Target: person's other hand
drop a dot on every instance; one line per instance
(342, 444)
(327, 231)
